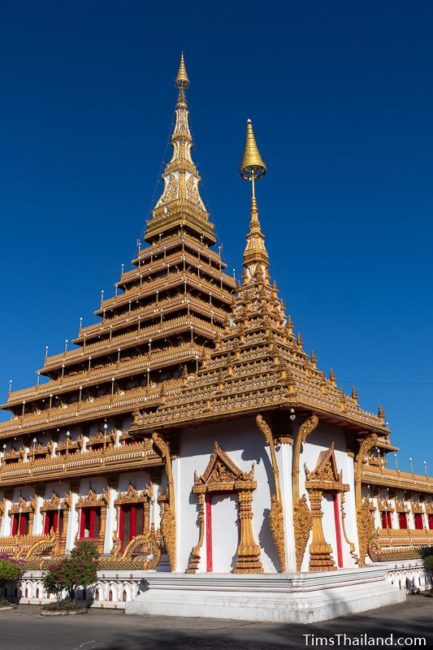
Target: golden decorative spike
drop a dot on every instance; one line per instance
(256, 260)
(313, 358)
(332, 376)
(380, 412)
(252, 165)
(182, 80)
(354, 393)
(289, 324)
(299, 340)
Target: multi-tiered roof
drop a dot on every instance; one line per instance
(172, 304)
(175, 346)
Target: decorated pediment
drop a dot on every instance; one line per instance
(222, 474)
(134, 496)
(326, 476)
(91, 499)
(53, 503)
(21, 506)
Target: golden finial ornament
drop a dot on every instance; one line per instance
(256, 261)
(182, 79)
(252, 165)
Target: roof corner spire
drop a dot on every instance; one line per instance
(253, 168)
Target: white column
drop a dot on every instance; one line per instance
(72, 523)
(37, 517)
(6, 528)
(284, 455)
(111, 521)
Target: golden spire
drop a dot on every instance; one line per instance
(252, 168)
(180, 202)
(252, 165)
(182, 80)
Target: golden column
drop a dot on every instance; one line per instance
(320, 551)
(248, 552)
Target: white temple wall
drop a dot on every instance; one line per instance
(224, 526)
(60, 488)
(350, 522)
(245, 444)
(96, 483)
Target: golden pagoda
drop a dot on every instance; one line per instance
(192, 401)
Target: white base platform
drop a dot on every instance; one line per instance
(290, 597)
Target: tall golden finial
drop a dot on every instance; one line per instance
(181, 178)
(182, 80)
(252, 168)
(252, 165)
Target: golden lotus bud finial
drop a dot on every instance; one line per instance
(182, 80)
(252, 165)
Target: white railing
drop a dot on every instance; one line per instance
(409, 574)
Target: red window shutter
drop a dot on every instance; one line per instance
(14, 524)
(82, 523)
(120, 531)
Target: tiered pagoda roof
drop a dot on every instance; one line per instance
(182, 343)
(172, 304)
(258, 363)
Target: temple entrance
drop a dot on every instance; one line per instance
(325, 489)
(224, 497)
(332, 525)
(222, 534)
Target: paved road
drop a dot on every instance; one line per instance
(25, 629)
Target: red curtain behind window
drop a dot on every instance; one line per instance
(402, 520)
(419, 523)
(14, 524)
(386, 519)
(24, 523)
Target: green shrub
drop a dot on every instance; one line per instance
(10, 571)
(77, 570)
(66, 605)
(428, 562)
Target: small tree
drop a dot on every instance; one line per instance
(427, 556)
(10, 571)
(77, 570)
(54, 581)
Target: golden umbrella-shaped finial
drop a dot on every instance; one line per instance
(252, 165)
(182, 80)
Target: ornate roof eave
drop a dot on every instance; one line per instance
(358, 425)
(394, 478)
(172, 241)
(191, 217)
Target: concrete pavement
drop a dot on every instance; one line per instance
(25, 629)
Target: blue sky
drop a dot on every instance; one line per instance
(341, 96)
